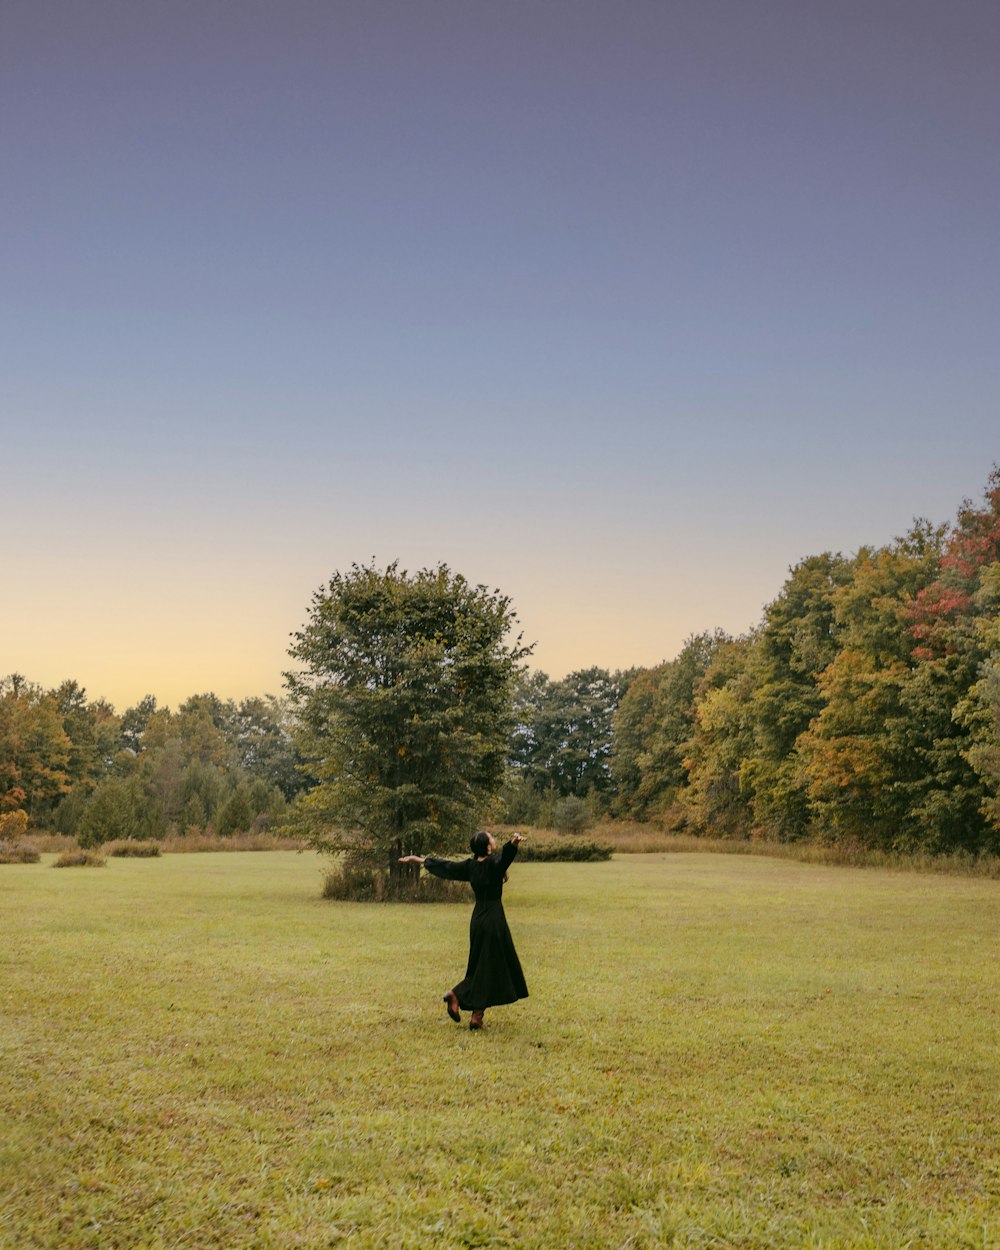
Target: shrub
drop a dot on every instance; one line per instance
(17, 853)
(80, 859)
(131, 848)
(194, 840)
(13, 825)
(577, 850)
(51, 843)
(360, 883)
(236, 815)
(571, 814)
(111, 814)
(523, 804)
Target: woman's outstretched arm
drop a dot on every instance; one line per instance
(447, 868)
(510, 850)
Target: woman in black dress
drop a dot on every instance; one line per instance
(494, 975)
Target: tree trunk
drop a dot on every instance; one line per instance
(402, 872)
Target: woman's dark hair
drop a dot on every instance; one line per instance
(479, 844)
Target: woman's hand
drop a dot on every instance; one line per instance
(518, 838)
(411, 859)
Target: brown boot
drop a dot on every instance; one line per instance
(451, 1001)
(477, 1020)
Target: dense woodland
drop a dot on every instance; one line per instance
(77, 767)
(865, 706)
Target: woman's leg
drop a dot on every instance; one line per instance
(476, 1022)
(451, 1002)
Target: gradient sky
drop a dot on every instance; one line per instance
(623, 308)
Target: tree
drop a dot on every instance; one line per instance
(715, 799)
(562, 738)
(134, 722)
(404, 704)
(114, 811)
(795, 643)
(34, 749)
(94, 732)
(859, 755)
(653, 726)
(261, 742)
(979, 712)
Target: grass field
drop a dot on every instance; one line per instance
(197, 1051)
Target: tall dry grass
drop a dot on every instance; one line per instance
(187, 843)
(176, 844)
(50, 843)
(627, 838)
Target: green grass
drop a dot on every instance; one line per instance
(199, 1052)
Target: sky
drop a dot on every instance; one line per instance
(621, 308)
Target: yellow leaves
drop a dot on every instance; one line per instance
(13, 825)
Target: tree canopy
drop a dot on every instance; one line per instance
(403, 696)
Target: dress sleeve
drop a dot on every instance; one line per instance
(507, 854)
(450, 869)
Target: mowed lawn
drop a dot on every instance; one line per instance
(198, 1051)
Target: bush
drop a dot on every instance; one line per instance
(80, 859)
(194, 840)
(576, 850)
(523, 804)
(13, 825)
(133, 849)
(360, 883)
(17, 853)
(51, 843)
(111, 814)
(571, 814)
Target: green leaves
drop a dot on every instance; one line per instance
(404, 699)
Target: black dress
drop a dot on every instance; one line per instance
(494, 974)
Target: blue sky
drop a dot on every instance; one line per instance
(621, 308)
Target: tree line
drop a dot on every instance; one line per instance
(75, 766)
(864, 706)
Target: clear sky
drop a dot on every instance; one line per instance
(620, 307)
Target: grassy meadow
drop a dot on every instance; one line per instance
(719, 1051)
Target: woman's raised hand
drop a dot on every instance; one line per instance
(411, 859)
(517, 838)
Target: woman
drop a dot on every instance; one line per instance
(494, 974)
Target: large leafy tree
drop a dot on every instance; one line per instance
(563, 731)
(404, 700)
(715, 799)
(261, 743)
(979, 712)
(34, 748)
(94, 732)
(653, 726)
(859, 754)
(794, 644)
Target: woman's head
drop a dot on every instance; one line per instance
(482, 844)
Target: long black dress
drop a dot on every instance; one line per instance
(494, 975)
